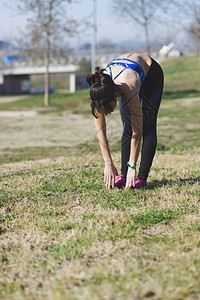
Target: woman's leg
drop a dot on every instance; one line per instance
(126, 134)
(148, 146)
(151, 94)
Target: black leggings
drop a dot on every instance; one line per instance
(150, 97)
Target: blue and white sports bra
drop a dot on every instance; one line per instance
(127, 64)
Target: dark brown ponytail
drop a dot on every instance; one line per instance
(94, 78)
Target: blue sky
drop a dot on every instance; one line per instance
(109, 26)
(11, 21)
(113, 28)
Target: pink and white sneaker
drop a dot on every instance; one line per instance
(120, 182)
(140, 182)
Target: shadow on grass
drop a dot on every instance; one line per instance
(190, 180)
(165, 182)
(181, 94)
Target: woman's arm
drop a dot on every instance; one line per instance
(110, 171)
(100, 124)
(137, 128)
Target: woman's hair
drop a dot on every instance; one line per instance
(102, 90)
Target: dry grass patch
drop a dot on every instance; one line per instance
(64, 236)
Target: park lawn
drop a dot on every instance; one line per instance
(182, 76)
(59, 102)
(64, 236)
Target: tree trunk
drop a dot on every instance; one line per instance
(47, 83)
(47, 77)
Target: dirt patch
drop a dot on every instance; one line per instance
(48, 130)
(29, 129)
(181, 102)
(28, 113)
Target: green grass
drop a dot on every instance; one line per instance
(182, 77)
(60, 228)
(64, 236)
(73, 103)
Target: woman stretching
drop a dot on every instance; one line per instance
(138, 82)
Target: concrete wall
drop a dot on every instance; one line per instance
(78, 82)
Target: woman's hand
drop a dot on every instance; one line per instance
(130, 178)
(110, 172)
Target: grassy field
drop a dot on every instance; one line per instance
(64, 236)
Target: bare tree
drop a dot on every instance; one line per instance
(44, 36)
(195, 30)
(142, 12)
(187, 14)
(195, 25)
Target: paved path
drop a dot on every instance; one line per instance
(7, 99)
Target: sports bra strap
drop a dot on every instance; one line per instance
(127, 64)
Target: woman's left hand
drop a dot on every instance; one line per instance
(130, 178)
